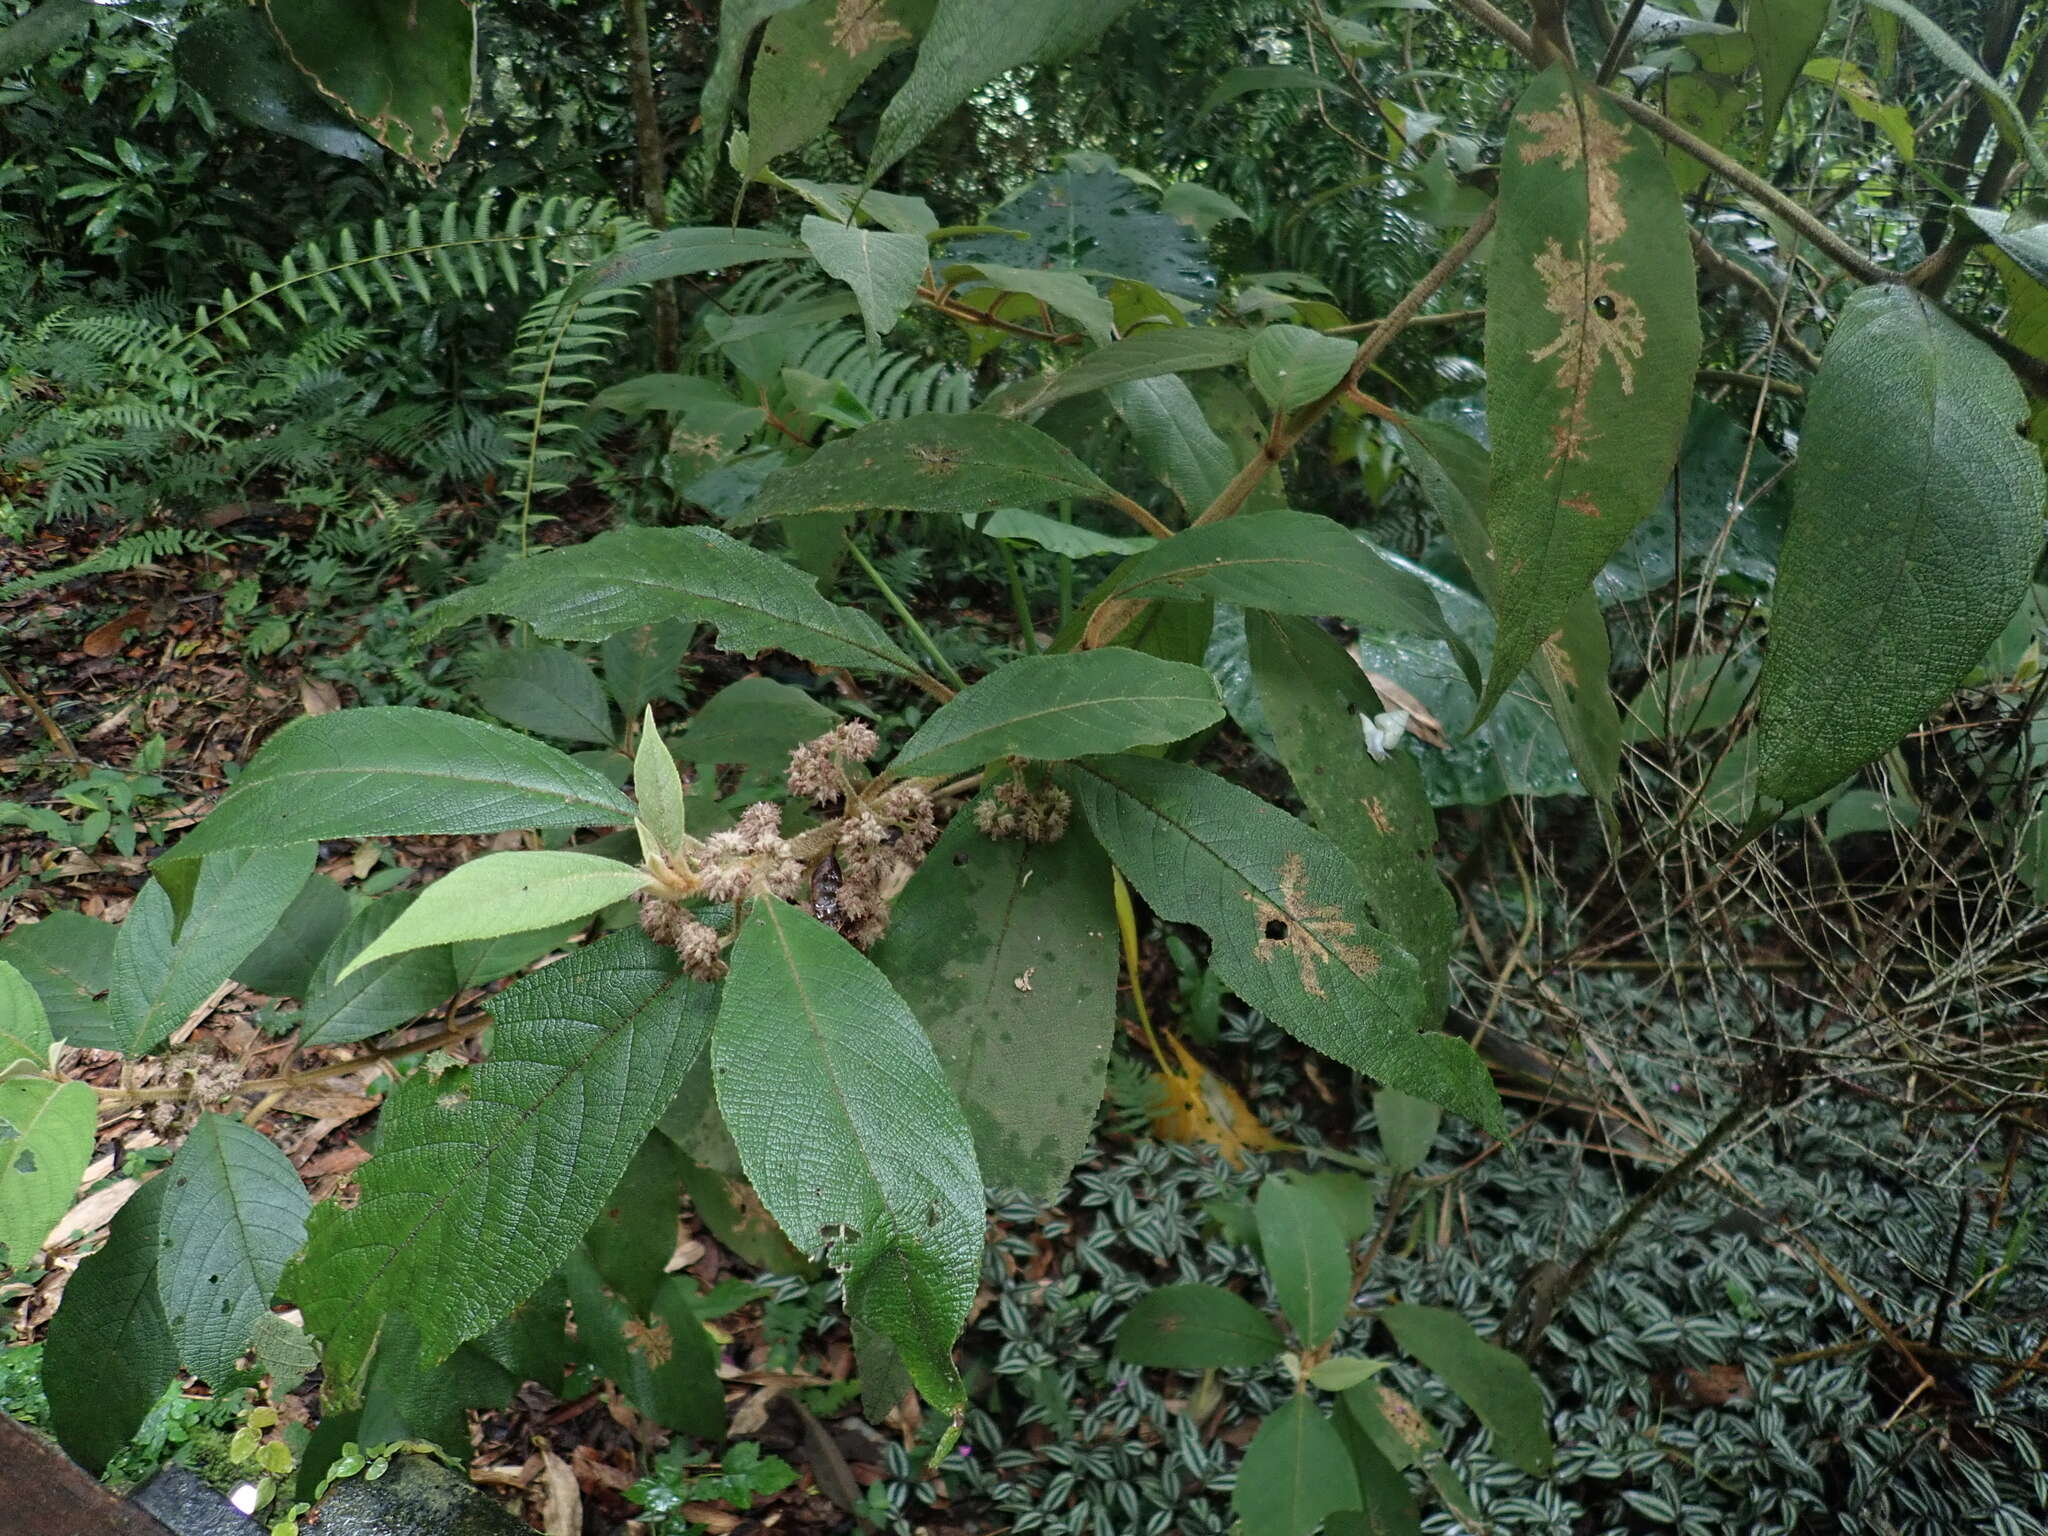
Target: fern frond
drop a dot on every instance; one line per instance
(131, 553)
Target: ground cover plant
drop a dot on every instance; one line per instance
(926, 602)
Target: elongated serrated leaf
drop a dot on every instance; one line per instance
(1173, 437)
(1005, 951)
(2005, 112)
(1308, 1260)
(1049, 533)
(1914, 534)
(683, 253)
(109, 1355)
(811, 61)
(234, 1215)
(1572, 665)
(404, 69)
(1592, 336)
(394, 771)
(641, 665)
(1195, 1328)
(483, 1184)
(1294, 1473)
(1293, 365)
(382, 995)
(544, 689)
(635, 576)
(738, 21)
(1284, 562)
(1313, 699)
(881, 268)
(1285, 917)
(662, 1360)
(1495, 1384)
(846, 1128)
(1152, 352)
(158, 982)
(503, 893)
(45, 1142)
(1785, 32)
(934, 463)
(25, 1037)
(69, 959)
(962, 52)
(284, 964)
(1054, 707)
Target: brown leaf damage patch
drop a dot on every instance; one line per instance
(859, 25)
(1313, 935)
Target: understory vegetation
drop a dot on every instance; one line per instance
(1119, 769)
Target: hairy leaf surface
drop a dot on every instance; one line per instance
(846, 1128)
(1592, 336)
(546, 690)
(1914, 534)
(811, 61)
(484, 1182)
(382, 995)
(881, 268)
(68, 958)
(634, 576)
(1284, 912)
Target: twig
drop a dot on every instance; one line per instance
(889, 596)
(1617, 45)
(50, 727)
(1750, 381)
(1137, 514)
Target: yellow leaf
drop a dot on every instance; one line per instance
(1203, 1109)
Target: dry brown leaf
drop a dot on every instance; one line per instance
(318, 697)
(1202, 1109)
(112, 635)
(561, 1499)
(93, 1212)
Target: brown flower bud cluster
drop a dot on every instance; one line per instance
(881, 842)
(819, 770)
(1015, 809)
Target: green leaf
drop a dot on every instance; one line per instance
(484, 1183)
(403, 69)
(683, 253)
(811, 61)
(1089, 218)
(158, 981)
(109, 1356)
(2026, 245)
(1407, 1127)
(49, 26)
(1292, 365)
(1294, 1474)
(1340, 1373)
(25, 1037)
(1314, 700)
(1390, 1508)
(404, 1400)
(635, 1233)
(284, 964)
(640, 665)
(1571, 667)
(658, 786)
(1308, 1260)
(1916, 528)
(234, 59)
(1785, 32)
(1496, 1385)
(2012, 123)
(1155, 351)
(45, 1142)
(1195, 1328)
(755, 722)
(1592, 336)
(546, 690)
(1072, 294)
(634, 576)
(738, 20)
(1049, 533)
(933, 463)
(1859, 93)
(882, 269)
(962, 52)
(1245, 80)
(479, 962)
(503, 893)
(1702, 690)
(846, 1127)
(1005, 950)
(1174, 438)
(1055, 707)
(665, 1366)
(380, 996)
(1281, 906)
(394, 771)
(1284, 562)
(234, 1215)
(68, 958)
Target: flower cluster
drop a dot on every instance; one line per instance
(881, 843)
(695, 943)
(818, 770)
(1016, 810)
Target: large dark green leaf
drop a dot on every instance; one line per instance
(233, 1217)
(1056, 707)
(1006, 952)
(682, 253)
(383, 994)
(1195, 1328)
(1592, 336)
(1915, 531)
(882, 268)
(1283, 909)
(483, 1184)
(847, 1129)
(961, 464)
(811, 61)
(738, 20)
(404, 69)
(1785, 32)
(1151, 353)
(634, 576)
(109, 1353)
(236, 62)
(1496, 1385)
(1090, 220)
(69, 959)
(634, 1235)
(1294, 1474)
(966, 47)
(1174, 438)
(1313, 698)
(546, 690)
(284, 964)
(662, 1359)
(394, 771)
(2026, 244)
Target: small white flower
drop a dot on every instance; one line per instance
(1384, 732)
